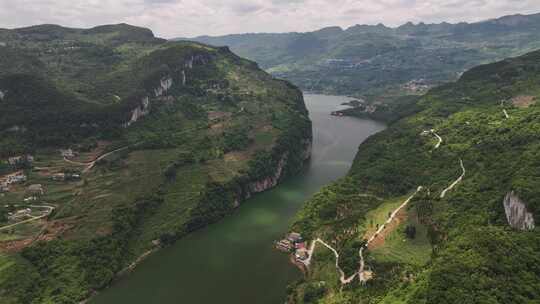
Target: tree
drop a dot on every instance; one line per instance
(410, 231)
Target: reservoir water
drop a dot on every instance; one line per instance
(233, 261)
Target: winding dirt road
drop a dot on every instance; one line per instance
(361, 270)
(90, 165)
(49, 211)
(506, 114)
(360, 273)
(432, 131)
(443, 194)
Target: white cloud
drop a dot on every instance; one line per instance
(173, 18)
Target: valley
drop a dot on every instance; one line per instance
(237, 251)
(135, 169)
(385, 66)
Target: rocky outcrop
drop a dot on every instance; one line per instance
(2, 95)
(165, 85)
(142, 110)
(516, 213)
(270, 181)
(196, 60)
(184, 78)
(308, 147)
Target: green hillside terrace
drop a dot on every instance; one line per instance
(136, 142)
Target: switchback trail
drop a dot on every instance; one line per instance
(360, 273)
(361, 270)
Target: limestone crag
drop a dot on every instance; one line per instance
(142, 110)
(270, 181)
(517, 214)
(165, 85)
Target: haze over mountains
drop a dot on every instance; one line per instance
(369, 61)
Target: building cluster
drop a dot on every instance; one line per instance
(10, 179)
(294, 243)
(417, 86)
(19, 213)
(21, 159)
(36, 189)
(62, 176)
(68, 153)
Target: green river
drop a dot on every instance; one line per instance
(233, 261)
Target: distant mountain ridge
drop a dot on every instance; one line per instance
(376, 60)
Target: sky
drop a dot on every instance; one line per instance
(189, 18)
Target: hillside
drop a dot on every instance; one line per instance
(114, 143)
(442, 206)
(379, 63)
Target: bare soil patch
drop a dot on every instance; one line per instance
(523, 101)
(401, 217)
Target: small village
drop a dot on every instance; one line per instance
(23, 186)
(295, 244)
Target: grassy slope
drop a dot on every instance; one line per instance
(474, 257)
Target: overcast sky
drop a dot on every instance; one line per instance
(188, 18)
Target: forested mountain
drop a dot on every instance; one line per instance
(444, 202)
(115, 143)
(378, 61)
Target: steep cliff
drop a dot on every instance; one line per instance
(516, 213)
(272, 180)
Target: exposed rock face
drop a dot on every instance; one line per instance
(308, 144)
(184, 78)
(165, 85)
(139, 112)
(270, 181)
(195, 60)
(144, 108)
(516, 213)
(2, 95)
